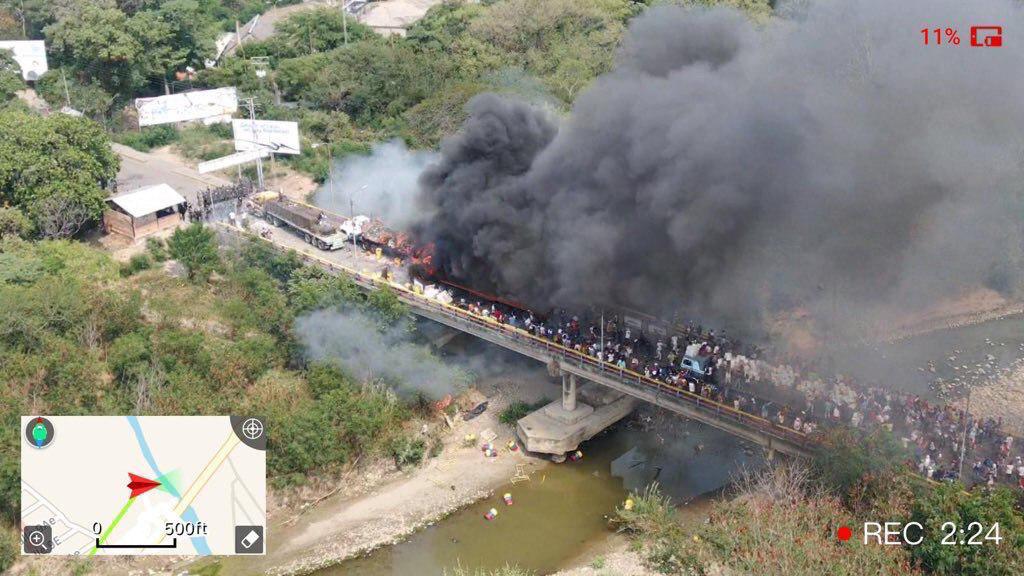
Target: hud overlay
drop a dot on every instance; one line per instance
(175, 485)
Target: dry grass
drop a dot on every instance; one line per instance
(778, 524)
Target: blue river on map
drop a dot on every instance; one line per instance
(199, 542)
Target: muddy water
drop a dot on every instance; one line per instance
(565, 507)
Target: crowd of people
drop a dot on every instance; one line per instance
(792, 396)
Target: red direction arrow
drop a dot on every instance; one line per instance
(140, 485)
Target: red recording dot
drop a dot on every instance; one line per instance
(844, 533)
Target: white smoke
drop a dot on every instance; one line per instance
(382, 184)
(365, 352)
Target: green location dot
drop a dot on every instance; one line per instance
(39, 432)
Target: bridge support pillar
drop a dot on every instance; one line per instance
(568, 392)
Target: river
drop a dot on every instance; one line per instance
(564, 507)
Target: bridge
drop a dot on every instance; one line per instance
(573, 365)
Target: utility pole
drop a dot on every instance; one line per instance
(259, 157)
(67, 95)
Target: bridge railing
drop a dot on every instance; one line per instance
(520, 336)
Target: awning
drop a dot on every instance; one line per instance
(148, 200)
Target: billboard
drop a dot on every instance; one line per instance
(30, 56)
(274, 136)
(187, 106)
(231, 160)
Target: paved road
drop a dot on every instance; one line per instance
(140, 169)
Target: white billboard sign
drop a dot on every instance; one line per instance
(30, 56)
(231, 160)
(187, 106)
(274, 136)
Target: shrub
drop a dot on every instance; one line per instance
(518, 409)
(136, 264)
(949, 503)
(407, 451)
(128, 355)
(14, 222)
(157, 249)
(859, 467)
(196, 248)
(148, 138)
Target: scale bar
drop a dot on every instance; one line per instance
(173, 544)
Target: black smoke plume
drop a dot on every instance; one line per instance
(827, 160)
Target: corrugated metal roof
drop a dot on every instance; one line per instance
(148, 200)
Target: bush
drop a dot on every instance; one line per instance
(128, 355)
(14, 222)
(407, 451)
(148, 138)
(949, 503)
(196, 248)
(859, 467)
(157, 248)
(136, 264)
(203, 143)
(518, 409)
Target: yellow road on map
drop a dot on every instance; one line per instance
(208, 471)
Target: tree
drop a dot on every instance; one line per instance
(61, 215)
(95, 38)
(10, 76)
(89, 99)
(857, 466)
(949, 503)
(196, 248)
(312, 31)
(56, 163)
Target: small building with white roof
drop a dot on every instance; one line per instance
(144, 211)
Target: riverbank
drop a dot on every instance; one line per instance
(380, 506)
(977, 307)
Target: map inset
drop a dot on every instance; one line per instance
(175, 485)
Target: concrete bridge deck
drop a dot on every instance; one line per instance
(750, 427)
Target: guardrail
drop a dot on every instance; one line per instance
(551, 349)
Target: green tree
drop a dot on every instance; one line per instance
(192, 32)
(317, 30)
(10, 76)
(949, 503)
(56, 169)
(88, 98)
(196, 248)
(96, 39)
(859, 467)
